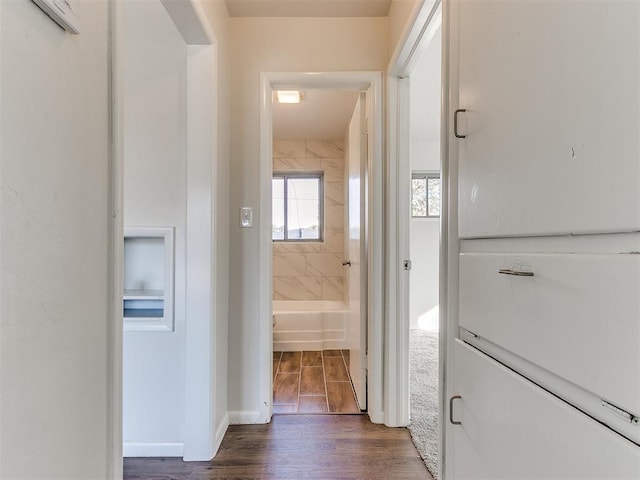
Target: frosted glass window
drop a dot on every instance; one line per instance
(297, 207)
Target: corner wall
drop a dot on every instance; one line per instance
(155, 195)
(54, 263)
(218, 16)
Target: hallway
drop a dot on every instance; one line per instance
(295, 447)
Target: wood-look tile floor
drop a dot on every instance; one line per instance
(313, 382)
(296, 447)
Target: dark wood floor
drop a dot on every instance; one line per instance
(313, 382)
(296, 447)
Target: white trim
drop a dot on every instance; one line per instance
(324, 80)
(425, 19)
(167, 449)
(116, 246)
(449, 240)
(200, 366)
(245, 417)
(220, 433)
(424, 22)
(398, 324)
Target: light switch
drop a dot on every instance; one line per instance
(246, 217)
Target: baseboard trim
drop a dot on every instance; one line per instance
(300, 345)
(137, 449)
(244, 417)
(220, 432)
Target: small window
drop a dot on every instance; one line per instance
(297, 207)
(425, 195)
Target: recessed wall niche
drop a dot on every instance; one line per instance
(148, 278)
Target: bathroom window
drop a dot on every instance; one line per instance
(425, 195)
(297, 207)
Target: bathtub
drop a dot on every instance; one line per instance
(309, 325)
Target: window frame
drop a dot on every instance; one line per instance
(418, 175)
(297, 174)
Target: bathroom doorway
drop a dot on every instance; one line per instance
(319, 251)
(319, 318)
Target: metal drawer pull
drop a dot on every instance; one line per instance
(455, 122)
(517, 273)
(453, 422)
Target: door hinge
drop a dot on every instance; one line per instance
(406, 264)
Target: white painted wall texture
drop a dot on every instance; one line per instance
(155, 74)
(274, 45)
(425, 157)
(54, 185)
(425, 242)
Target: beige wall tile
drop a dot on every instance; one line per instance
(333, 240)
(288, 148)
(297, 288)
(297, 164)
(334, 217)
(298, 247)
(313, 270)
(333, 169)
(332, 288)
(325, 148)
(325, 264)
(334, 193)
(289, 264)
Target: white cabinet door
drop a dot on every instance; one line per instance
(552, 127)
(515, 430)
(576, 317)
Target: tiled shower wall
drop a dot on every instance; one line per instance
(313, 270)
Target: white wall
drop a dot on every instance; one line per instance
(425, 156)
(54, 177)
(155, 69)
(272, 45)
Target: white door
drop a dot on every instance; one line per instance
(357, 252)
(551, 123)
(515, 430)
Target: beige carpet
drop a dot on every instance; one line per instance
(423, 364)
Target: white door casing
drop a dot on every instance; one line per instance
(372, 83)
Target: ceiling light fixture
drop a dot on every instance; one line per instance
(288, 96)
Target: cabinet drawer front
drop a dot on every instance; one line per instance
(512, 429)
(577, 317)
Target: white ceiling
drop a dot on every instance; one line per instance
(321, 115)
(308, 8)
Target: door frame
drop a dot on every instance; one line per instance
(202, 435)
(424, 21)
(372, 81)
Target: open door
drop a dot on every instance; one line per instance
(357, 251)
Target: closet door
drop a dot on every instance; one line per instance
(551, 92)
(516, 430)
